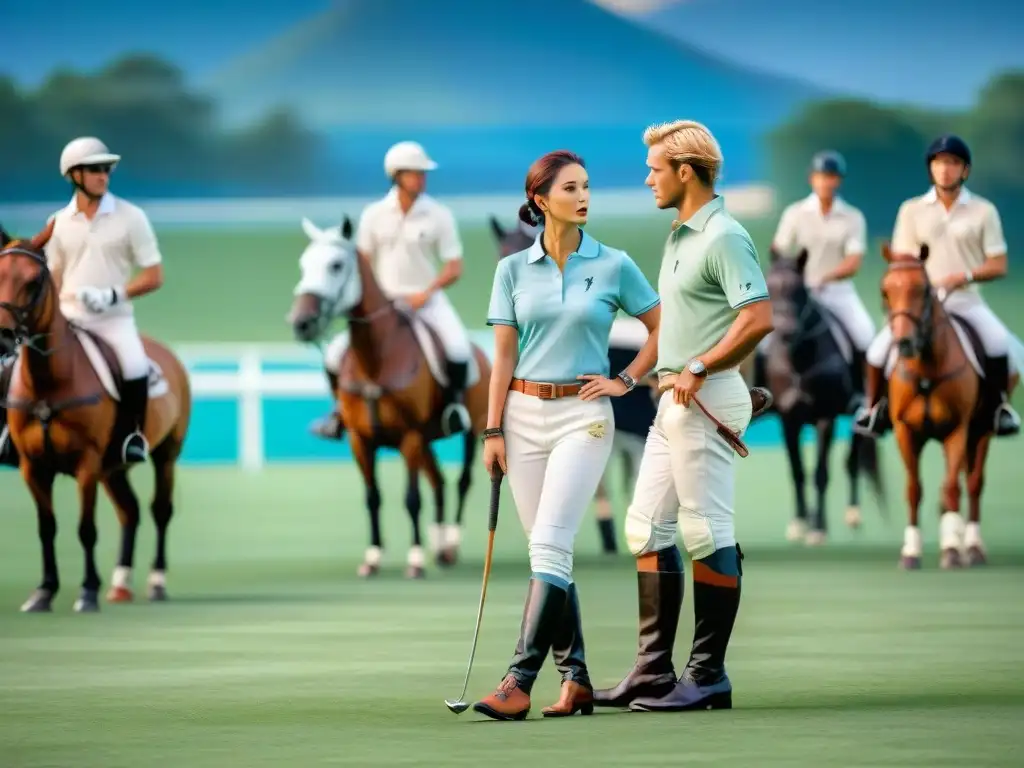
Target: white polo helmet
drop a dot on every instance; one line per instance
(85, 150)
(407, 156)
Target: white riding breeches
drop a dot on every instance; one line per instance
(994, 336)
(843, 301)
(631, 448)
(687, 476)
(120, 333)
(439, 314)
(556, 452)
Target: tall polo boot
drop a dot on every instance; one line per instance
(716, 600)
(455, 418)
(660, 584)
(568, 652)
(134, 400)
(857, 366)
(8, 453)
(1006, 422)
(329, 427)
(872, 418)
(542, 617)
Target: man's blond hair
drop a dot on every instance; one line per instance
(689, 142)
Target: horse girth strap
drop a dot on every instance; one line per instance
(44, 411)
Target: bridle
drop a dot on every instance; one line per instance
(923, 322)
(26, 316)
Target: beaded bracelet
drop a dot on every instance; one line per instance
(492, 432)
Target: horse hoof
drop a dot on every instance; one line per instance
(88, 602)
(853, 519)
(950, 559)
(976, 556)
(415, 572)
(447, 557)
(815, 539)
(366, 570)
(910, 562)
(119, 595)
(796, 530)
(157, 593)
(40, 601)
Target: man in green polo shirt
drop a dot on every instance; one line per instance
(715, 309)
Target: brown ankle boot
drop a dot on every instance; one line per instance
(575, 698)
(508, 702)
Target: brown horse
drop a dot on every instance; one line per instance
(388, 390)
(62, 408)
(936, 392)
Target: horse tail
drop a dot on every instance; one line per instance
(867, 457)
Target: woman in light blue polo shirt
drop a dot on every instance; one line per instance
(549, 419)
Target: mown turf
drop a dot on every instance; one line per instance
(272, 653)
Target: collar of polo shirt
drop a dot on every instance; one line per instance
(932, 196)
(699, 221)
(589, 248)
(392, 199)
(813, 203)
(106, 205)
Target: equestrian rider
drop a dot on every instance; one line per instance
(102, 254)
(550, 423)
(834, 233)
(715, 311)
(402, 235)
(966, 246)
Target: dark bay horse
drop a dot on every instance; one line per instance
(812, 384)
(62, 404)
(935, 392)
(388, 394)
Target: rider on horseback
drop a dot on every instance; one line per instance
(965, 239)
(97, 243)
(402, 235)
(834, 234)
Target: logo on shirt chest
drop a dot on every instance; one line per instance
(589, 281)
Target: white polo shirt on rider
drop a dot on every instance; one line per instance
(102, 252)
(405, 248)
(829, 238)
(958, 240)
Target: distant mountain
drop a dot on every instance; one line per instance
(419, 63)
(936, 53)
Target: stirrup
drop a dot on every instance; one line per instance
(134, 445)
(459, 411)
(865, 421)
(1004, 410)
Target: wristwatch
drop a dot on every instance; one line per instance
(697, 368)
(628, 380)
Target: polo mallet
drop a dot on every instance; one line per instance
(460, 705)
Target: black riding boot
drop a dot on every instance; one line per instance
(542, 618)
(134, 400)
(872, 418)
(455, 417)
(857, 373)
(716, 601)
(330, 426)
(1004, 419)
(660, 598)
(8, 453)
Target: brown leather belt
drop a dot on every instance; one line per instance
(544, 390)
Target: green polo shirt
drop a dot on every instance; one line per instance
(710, 270)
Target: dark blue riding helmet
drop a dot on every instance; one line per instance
(829, 161)
(951, 145)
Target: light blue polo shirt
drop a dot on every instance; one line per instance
(564, 318)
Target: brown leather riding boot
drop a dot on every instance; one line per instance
(568, 653)
(660, 583)
(542, 616)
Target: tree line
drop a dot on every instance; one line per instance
(168, 134)
(884, 149)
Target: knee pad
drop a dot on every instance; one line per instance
(698, 536)
(645, 535)
(551, 559)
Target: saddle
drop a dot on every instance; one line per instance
(108, 368)
(430, 344)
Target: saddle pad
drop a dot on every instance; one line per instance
(839, 334)
(435, 357)
(158, 386)
(965, 342)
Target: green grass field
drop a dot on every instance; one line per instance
(272, 653)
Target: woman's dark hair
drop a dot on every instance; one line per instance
(539, 179)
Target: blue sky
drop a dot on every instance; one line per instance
(935, 52)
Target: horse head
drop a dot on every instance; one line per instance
(909, 300)
(512, 240)
(788, 291)
(26, 305)
(330, 284)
